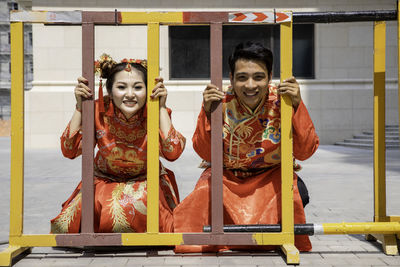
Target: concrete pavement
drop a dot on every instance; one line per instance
(340, 183)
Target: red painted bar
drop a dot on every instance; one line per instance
(87, 129)
(205, 17)
(216, 130)
(101, 17)
(103, 239)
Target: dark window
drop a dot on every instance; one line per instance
(190, 50)
(189, 53)
(232, 35)
(30, 39)
(12, 6)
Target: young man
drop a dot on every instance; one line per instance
(251, 144)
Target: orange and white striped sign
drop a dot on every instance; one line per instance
(260, 17)
(283, 17)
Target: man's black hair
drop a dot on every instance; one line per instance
(251, 51)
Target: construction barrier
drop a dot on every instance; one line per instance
(283, 235)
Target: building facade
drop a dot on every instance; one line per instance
(5, 63)
(333, 62)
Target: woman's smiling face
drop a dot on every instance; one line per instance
(129, 92)
(250, 82)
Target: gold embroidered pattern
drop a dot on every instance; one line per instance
(61, 224)
(118, 132)
(127, 162)
(174, 138)
(136, 195)
(244, 131)
(120, 223)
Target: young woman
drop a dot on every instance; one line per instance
(120, 163)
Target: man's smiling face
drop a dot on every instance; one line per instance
(250, 82)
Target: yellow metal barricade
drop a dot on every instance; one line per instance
(19, 242)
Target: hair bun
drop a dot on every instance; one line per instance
(104, 65)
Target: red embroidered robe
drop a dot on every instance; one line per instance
(252, 170)
(120, 175)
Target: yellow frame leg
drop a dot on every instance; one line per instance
(11, 252)
(153, 117)
(389, 244)
(17, 143)
(286, 133)
(17, 129)
(379, 122)
(292, 253)
(290, 250)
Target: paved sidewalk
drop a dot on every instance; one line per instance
(340, 182)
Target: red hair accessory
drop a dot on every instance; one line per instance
(142, 62)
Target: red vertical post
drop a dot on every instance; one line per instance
(87, 129)
(217, 219)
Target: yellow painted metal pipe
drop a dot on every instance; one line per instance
(346, 228)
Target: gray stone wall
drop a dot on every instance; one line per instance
(5, 65)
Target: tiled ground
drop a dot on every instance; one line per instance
(339, 180)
